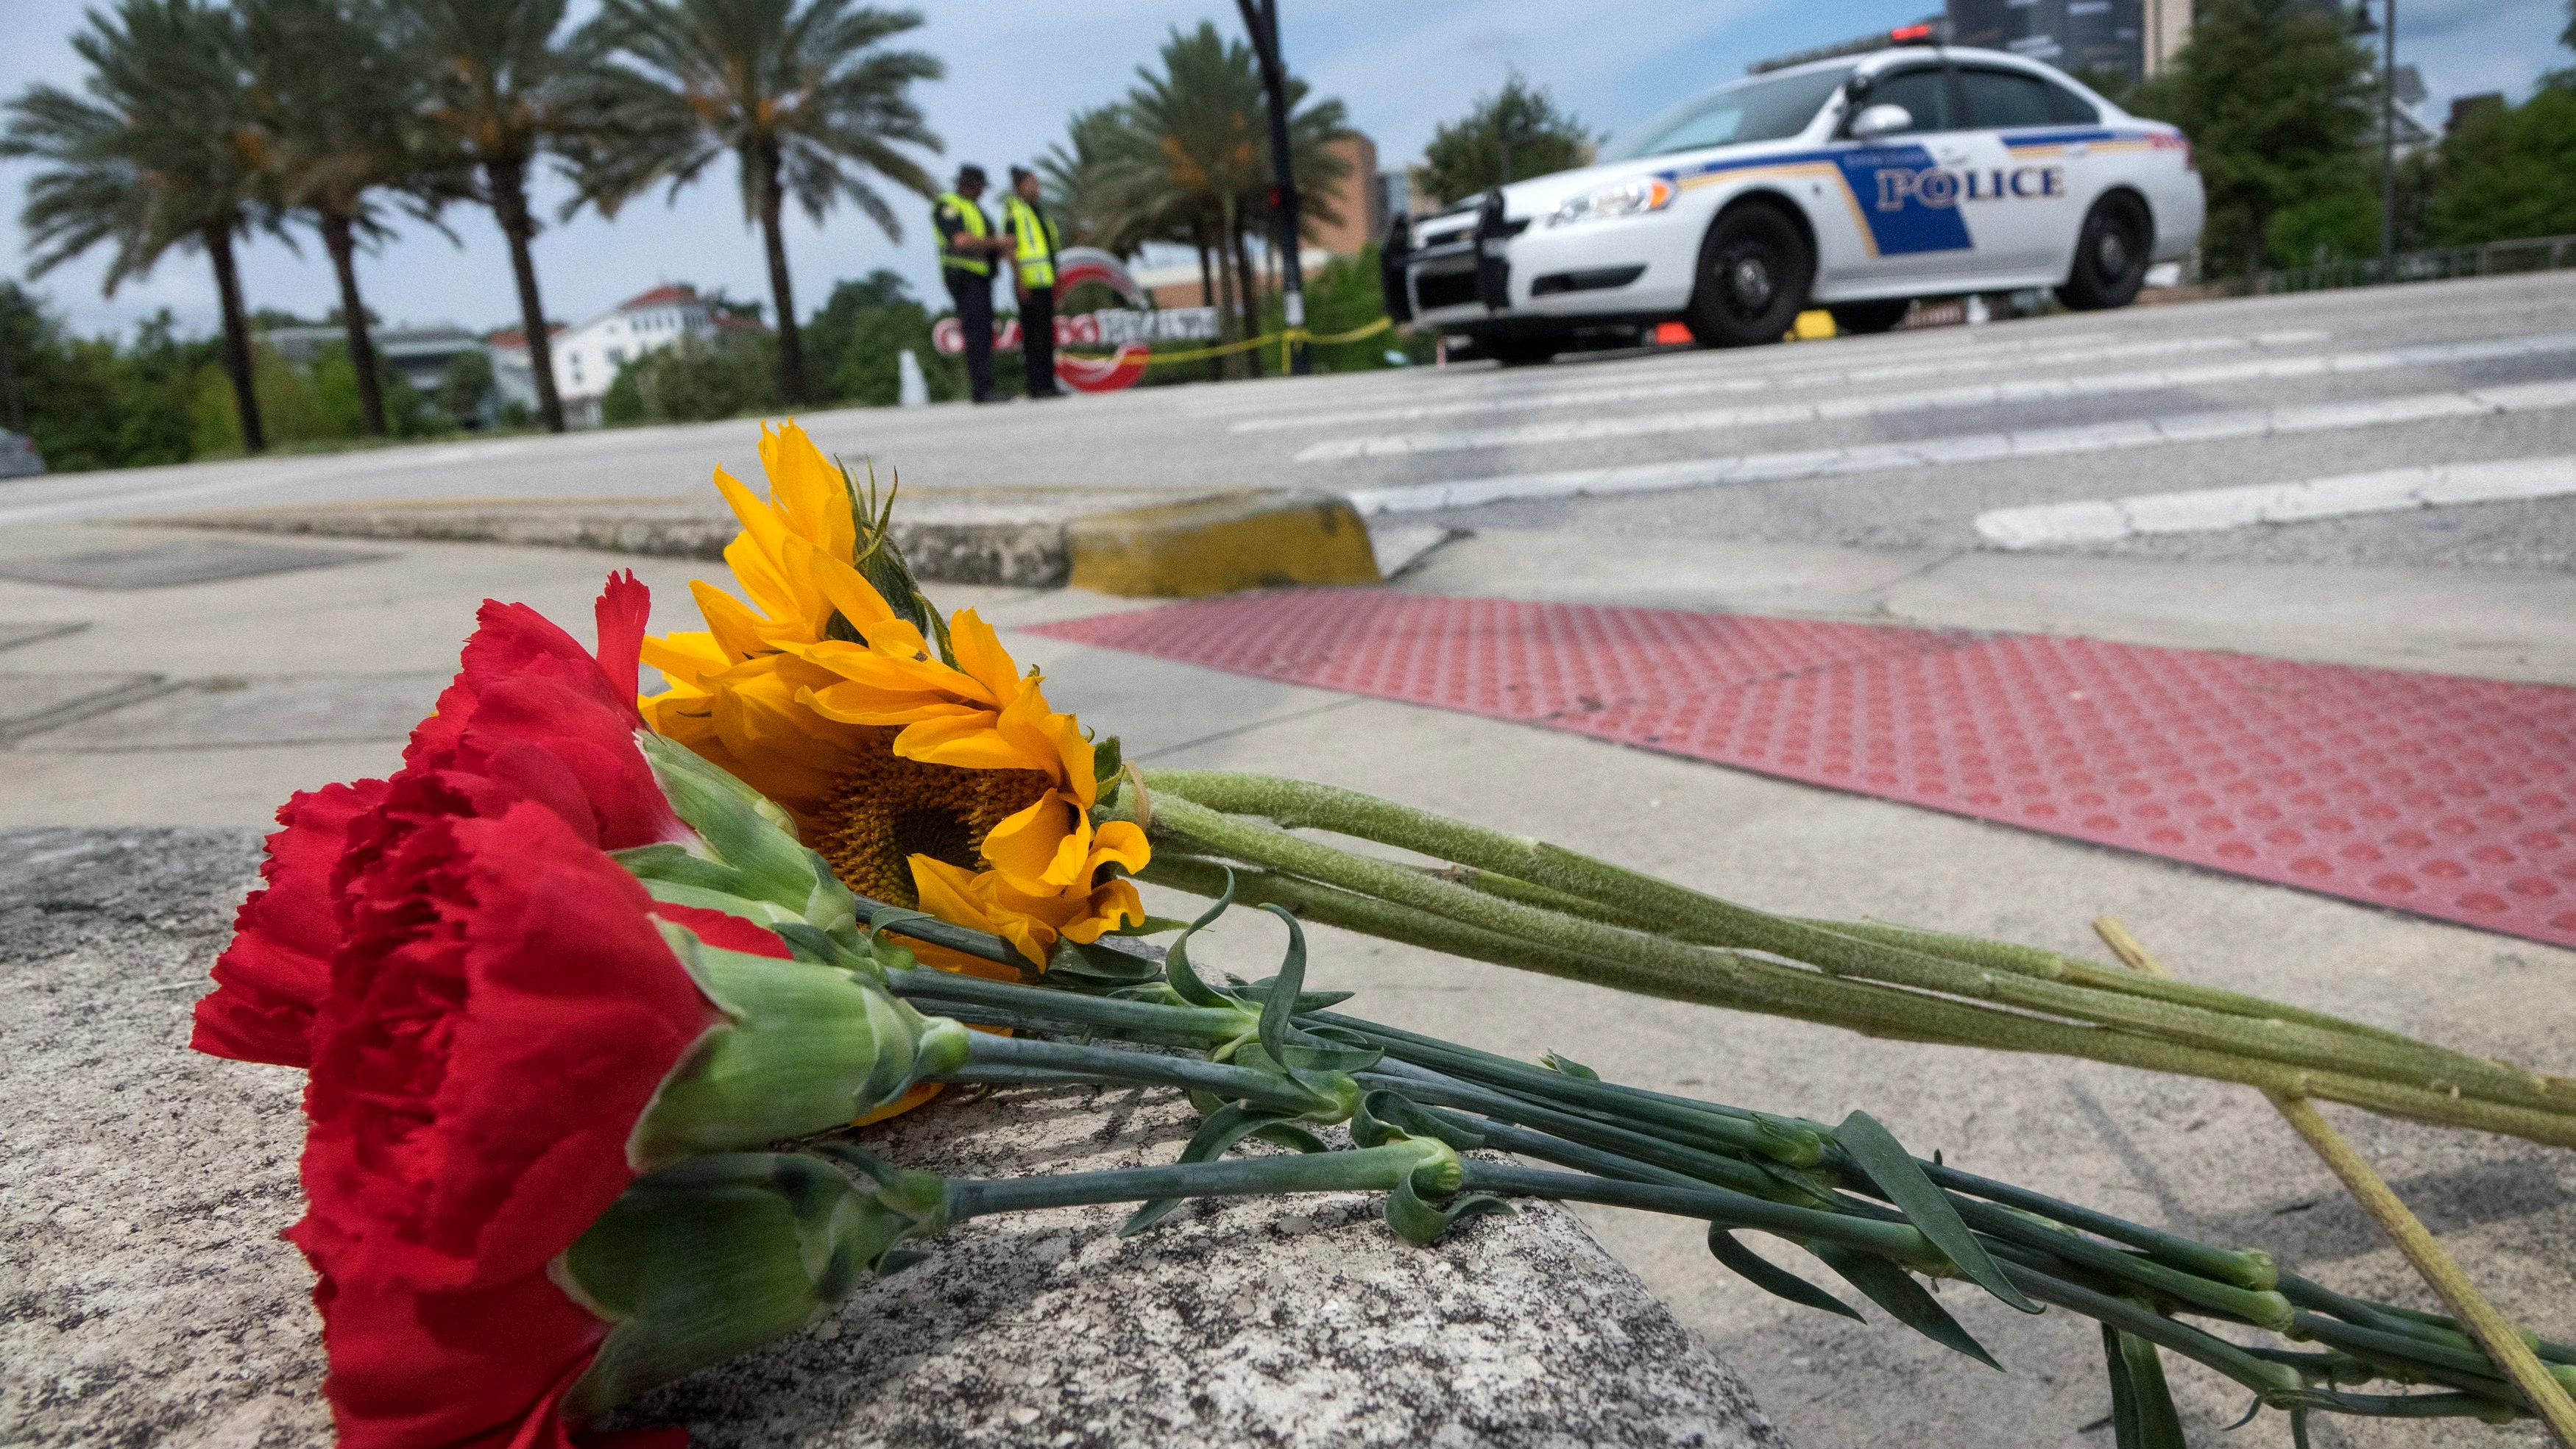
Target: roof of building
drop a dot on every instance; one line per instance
(660, 296)
(518, 337)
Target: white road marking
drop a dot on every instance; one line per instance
(2037, 389)
(2208, 510)
(1967, 448)
(1768, 382)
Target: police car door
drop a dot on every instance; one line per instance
(1909, 184)
(2026, 211)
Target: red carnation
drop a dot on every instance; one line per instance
(531, 707)
(501, 1013)
(279, 962)
(531, 716)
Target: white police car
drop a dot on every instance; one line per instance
(1855, 184)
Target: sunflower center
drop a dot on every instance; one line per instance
(889, 809)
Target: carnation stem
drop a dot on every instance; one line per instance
(1014, 1059)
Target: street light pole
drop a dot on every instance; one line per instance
(2388, 149)
(1261, 17)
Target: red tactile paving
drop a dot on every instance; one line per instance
(2431, 793)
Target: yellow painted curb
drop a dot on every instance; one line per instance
(1263, 538)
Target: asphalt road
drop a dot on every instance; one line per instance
(1894, 442)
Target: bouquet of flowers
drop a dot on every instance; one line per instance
(593, 992)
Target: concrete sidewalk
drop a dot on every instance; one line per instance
(237, 691)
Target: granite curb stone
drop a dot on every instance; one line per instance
(148, 1299)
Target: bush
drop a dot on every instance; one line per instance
(851, 345)
(695, 380)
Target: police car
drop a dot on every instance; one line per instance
(1854, 184)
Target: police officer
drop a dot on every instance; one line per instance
(1032, 242)
(967, 247)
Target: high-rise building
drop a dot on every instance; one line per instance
(2073, 35)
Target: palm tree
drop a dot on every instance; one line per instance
(1192, 157)
(340, 112)
(160, 153)
(500, 92)
(801, 94)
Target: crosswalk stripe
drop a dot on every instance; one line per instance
(2208, 510)
(1765, 382)
(2037, 389)
(1967, 448)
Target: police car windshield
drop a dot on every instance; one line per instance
(1771, 108)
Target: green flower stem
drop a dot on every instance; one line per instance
(1706, 1167)
(1021, 1055)
(1372, 1169)
(1211, 1026)
(2267, 1309)
(1860, 1006)
(2244, 1269)
(1199, 806)
(2308, 1293)
(1716, 1130)
(2032, 961)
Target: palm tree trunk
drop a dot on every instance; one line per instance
(791, 345)
(218, 240)
(1207, 284)
(509, 182)
(340, 239)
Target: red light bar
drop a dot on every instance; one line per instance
(1904, 33)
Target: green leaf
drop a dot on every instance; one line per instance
(1570, 1067)
(1082, 966)
(1892, 1288)
(1898, 1175)
(1282, 1000)
(1419, 1223)
(1770, 1277)
(1224, 1128)
(1176, 958)
(2154, 1423)
(1383, 1116)
(1107, 759)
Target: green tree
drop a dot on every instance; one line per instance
(1512, 135)
(1186, 156)
(465, 388)
(2276, 98)
(161, 153)
(695, 380)
(338, 108)
(803, 94)
(2509, 171)
(501, 94)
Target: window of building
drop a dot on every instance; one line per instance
(616, 355)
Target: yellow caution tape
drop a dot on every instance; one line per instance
(1284, 337)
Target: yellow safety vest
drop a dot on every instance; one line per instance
(1036, 234)
(973, 215)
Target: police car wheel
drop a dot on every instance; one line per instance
(1865, 317)
(1754, 271)
(2110, 256)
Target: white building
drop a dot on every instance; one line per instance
(587, 357)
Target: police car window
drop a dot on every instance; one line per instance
(2066, 108)
(1998, 99)
(1756, 110)
(1925, 95)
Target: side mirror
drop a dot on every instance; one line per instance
(1876, 121)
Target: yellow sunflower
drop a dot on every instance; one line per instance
(930, 772)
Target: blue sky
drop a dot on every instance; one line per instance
(1016, 71)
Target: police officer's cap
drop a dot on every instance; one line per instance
(970, 174)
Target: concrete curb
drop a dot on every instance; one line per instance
(1266, 538)
(1132, 541)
